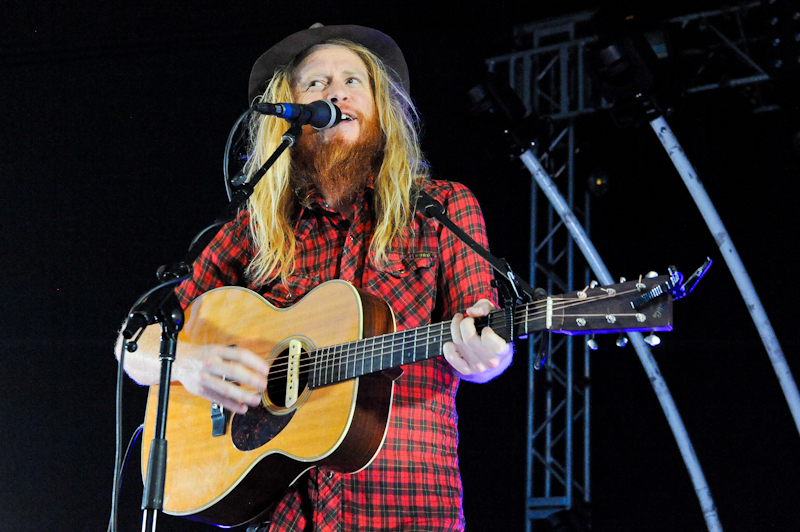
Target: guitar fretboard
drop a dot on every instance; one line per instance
(588, 311)
(346, 361)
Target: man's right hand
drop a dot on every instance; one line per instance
(231, 377)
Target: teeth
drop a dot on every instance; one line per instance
(346, 116)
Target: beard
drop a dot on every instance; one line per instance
(338, 169)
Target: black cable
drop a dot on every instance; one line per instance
(226, 155)
(112, 519)
(120, 460)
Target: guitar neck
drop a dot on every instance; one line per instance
(643, 305)
(347, 361)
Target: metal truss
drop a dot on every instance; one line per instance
(550, 81)
(559, 394)
(711, 50)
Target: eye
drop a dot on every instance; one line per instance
(353, 81)
(315, 84)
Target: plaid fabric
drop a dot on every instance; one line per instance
(414, 483)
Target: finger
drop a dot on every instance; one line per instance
(455, 328)
(229, 394)
(237, 365)
(469, 335)
(482, 308)
(227, 403)
(454, 358)
(246, 358)
(493, 343)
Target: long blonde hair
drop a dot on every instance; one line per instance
(273, 201)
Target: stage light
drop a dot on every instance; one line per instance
(625, 72)
(496, 102)
(598, 182)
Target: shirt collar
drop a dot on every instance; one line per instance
(316, 201)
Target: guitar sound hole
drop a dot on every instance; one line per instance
(277, 379)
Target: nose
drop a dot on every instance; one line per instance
(336, 92)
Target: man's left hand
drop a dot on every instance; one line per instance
(476, 357)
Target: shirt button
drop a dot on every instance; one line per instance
(329, 475)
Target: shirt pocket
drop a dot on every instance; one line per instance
(407, 282)
(296, 287)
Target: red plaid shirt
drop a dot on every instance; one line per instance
(414, 483)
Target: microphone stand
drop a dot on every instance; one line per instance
(161, 305)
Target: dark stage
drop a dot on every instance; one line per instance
(114, 120)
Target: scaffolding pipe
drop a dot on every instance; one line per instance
(734, 262)
(549, 188)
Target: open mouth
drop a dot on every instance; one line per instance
(347, 118)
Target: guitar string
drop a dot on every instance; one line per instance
(347, 353)
(391, 339)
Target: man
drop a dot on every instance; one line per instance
(341, 206)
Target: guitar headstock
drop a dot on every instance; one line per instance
(643, 305)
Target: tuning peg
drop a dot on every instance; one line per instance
(651, 274)
(652, 340)
(593, 284)
(592, 343)
(622, 280)
(622, 341)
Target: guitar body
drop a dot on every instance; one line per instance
(233, 478)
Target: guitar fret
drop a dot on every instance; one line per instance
(372, 358)
(349, 363)
(403, 348)
(313, 379)
(526, 319)
(406, 355)
(363, 354)
(326, 366)
(338, 364)
(329, 362)
(320, 367)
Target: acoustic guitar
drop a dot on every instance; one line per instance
(334, 357)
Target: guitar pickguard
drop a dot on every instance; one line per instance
(257, 427)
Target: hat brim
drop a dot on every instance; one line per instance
(285, 51)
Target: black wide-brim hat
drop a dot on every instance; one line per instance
(285, 51)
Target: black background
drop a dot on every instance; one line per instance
(114, 118)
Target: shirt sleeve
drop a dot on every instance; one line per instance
(466, 276)
(222, 262)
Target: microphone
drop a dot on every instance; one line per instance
(319, 114)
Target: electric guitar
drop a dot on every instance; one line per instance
(334, 357)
